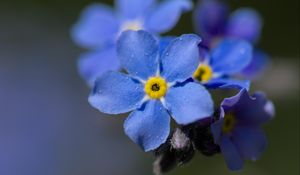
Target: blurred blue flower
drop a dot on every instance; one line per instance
(100, 26)
(238, 131)
(155, 87)
(213, 21)
(217, 68)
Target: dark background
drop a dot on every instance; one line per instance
(48, 128)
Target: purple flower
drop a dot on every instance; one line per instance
(213, 20)
(210, 18)
(100, 26)
(238, 131)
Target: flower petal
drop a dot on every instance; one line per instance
(249, 110)
(132, 9)
(231, 56)
(231, 155)
(251, 142)
(210, 18)
(164, 42)
(216, 130)
(116, 93)
(181, 58)
(256, 109)
(148, 126)
(97, 27)
(93, 64)
(189, 102)
(223, 83)
(138, 53)
(257, 66)
(245, 23)
(166, 15)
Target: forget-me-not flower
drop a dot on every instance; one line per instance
(217, 67)
(100, 26)
(213, 20)
(238, 131)
(155, 87)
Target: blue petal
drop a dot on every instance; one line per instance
(116, 93)
(149, 126)
(210, 18)
(231, 155)
(231, 56)
(245, 23)
(181, 58)
(132, 9)
(252, 111)
(223, 83)
(166, 15)
(251, 142)
(189, 102)
(258, 64)
(164, 42)
(97, 27)
(216, 130)
(94, 64)
(138, 53)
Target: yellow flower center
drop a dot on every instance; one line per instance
(132, 25)
(229, 123)
(203, 73)
(156, 87)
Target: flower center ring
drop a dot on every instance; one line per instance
(203, 73)
(156, 87)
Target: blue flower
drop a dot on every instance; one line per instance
(238, 131)
(227, 59)
(100, 26)
(154, 88)
(213, 21)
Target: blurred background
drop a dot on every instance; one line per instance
(48, 128)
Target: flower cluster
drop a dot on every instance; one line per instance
(131, 68)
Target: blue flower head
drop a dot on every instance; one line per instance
(218, 66)
(100, 26)
(213, 20)
(238, 131)
(155, 87)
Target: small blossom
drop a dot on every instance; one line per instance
(213, 20)
(100, 26)
(217, 68)
(155, 87)
(238, 131)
